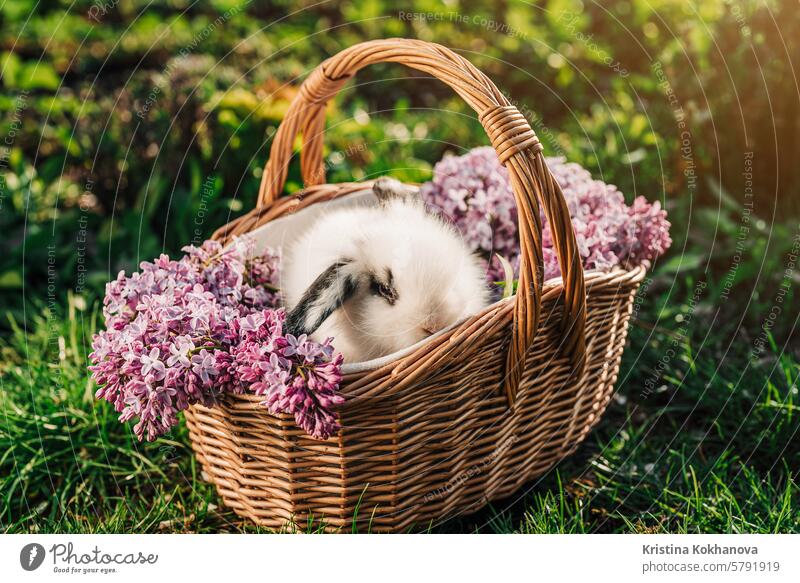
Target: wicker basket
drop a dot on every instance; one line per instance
(470, 415)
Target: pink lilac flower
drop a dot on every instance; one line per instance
(474, 192)
(294, 375)
(188, 331)
(150, 363)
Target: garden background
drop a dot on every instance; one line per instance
(128, 128)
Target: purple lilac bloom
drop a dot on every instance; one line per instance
(474, 192)
(187, 331)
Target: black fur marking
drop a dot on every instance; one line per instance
(325, 295)
(384, 288)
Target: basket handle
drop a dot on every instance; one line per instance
(515, 143)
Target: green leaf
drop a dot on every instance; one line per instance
(38, 75)
(682, 263)
(10, 279)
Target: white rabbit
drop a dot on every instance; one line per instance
(380, 278)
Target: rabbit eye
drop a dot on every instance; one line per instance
(383, 290)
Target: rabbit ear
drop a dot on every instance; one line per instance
(387, 189)
(330, 290)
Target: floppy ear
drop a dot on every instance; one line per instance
(387, 189)
(330, 290)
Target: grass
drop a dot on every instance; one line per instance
(711, 448)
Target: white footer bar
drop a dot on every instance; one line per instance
(378, 558)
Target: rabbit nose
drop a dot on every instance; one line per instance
(431, 325)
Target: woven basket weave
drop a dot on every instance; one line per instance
(470, 415)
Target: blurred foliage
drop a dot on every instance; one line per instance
(131, 127)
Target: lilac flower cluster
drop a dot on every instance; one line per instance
(475, 193)
(188, 331)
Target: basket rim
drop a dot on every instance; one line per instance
(596, 279)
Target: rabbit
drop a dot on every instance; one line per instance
(380, 278)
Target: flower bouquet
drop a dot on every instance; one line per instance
(189, 331)
(474, 192)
